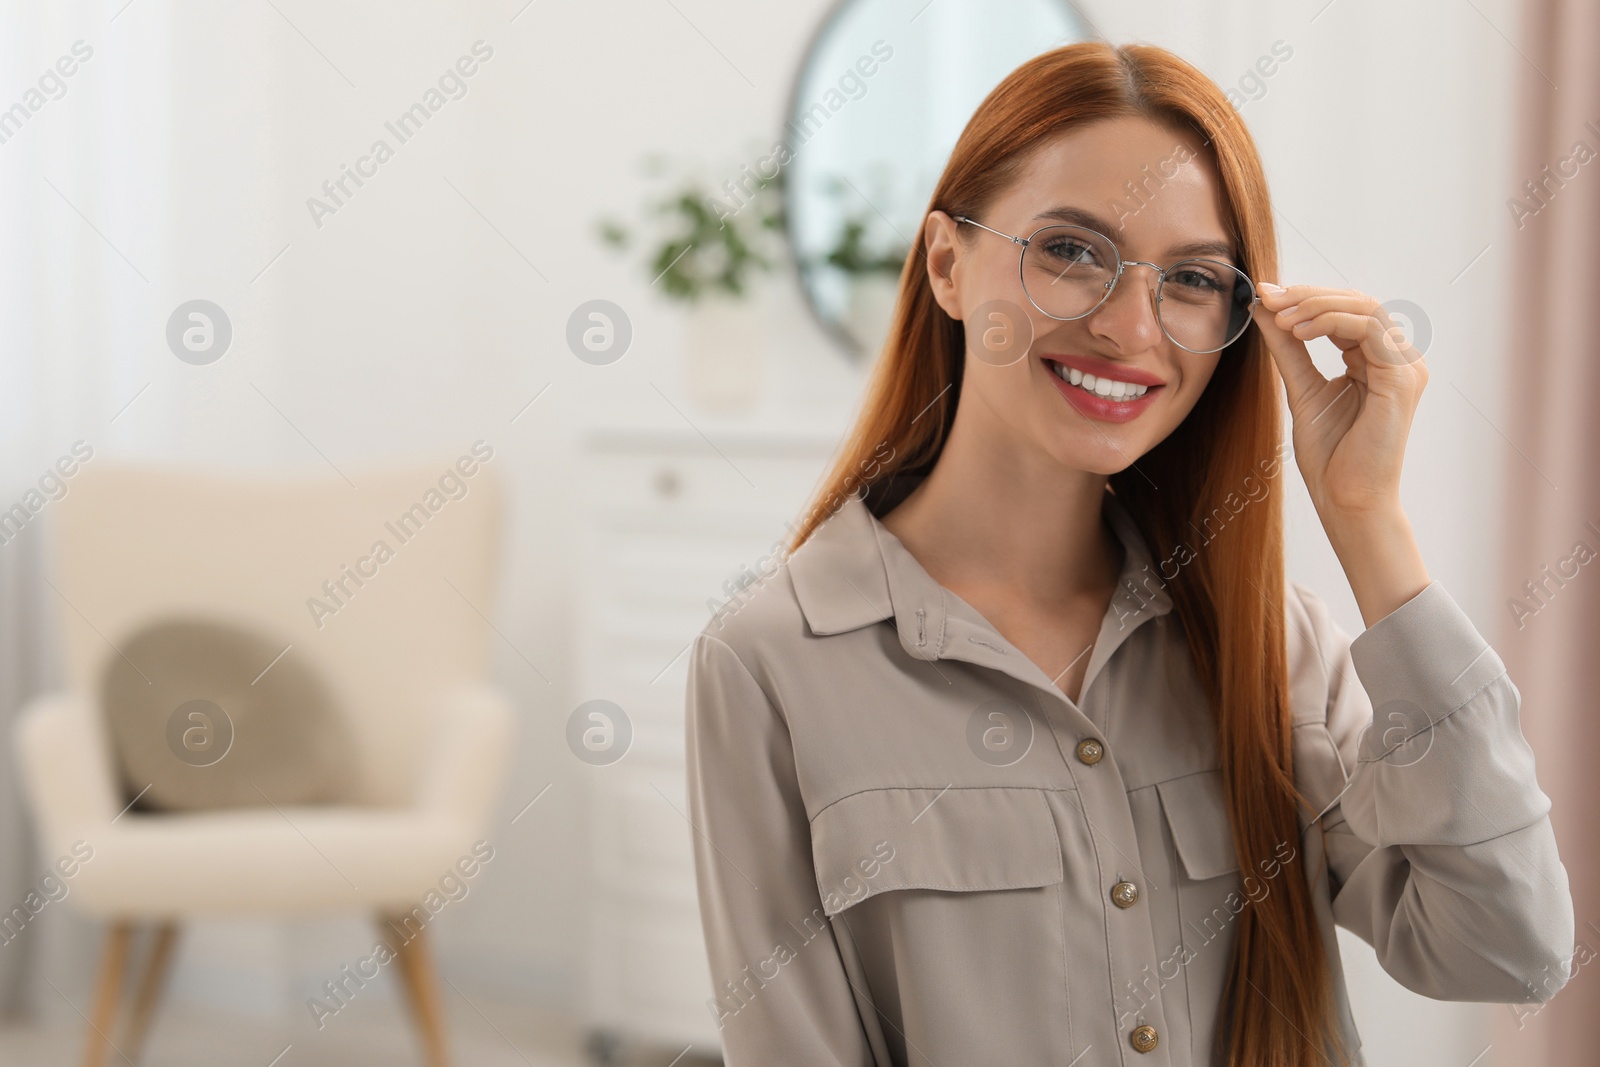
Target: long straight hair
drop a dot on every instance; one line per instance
(1277, 1007)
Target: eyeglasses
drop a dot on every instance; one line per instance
(1202, 305)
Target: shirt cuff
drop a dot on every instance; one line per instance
(1445, 760)
(1421, 662)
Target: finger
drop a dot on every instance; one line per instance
(1300, 375)
(1381, 342)
(1355, 365)
(1396, 347)
(1347, 329)
(1312, 306)
(1294, 294)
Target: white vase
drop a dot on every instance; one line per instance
(725, 351)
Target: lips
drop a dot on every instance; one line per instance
(1106, 387)
(1118, 394)
(1105, 368)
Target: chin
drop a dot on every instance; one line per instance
(1096, 455)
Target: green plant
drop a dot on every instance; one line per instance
(858, 250)
(702, 246)
(851, 254)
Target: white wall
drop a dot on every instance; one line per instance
(410, 322)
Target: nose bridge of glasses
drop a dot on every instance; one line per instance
(1150, 291)
(1160, 271)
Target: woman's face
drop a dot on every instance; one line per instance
(1154, 192)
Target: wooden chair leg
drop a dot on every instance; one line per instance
(415, 961)
(108, 991)
(151, 983)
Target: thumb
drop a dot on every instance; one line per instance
(1300, 375)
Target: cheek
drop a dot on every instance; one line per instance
(992, 278)
(1003, 333)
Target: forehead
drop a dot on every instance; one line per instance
(1158, 183)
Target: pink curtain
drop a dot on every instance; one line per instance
(1549, 632)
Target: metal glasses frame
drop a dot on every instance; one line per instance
(1122, 264)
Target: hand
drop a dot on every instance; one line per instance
(1349, 433)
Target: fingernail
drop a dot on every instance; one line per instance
(1269, 287)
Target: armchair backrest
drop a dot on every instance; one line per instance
(384, 586)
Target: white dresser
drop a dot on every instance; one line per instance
(671, 519)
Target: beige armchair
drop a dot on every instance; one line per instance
(405, 653)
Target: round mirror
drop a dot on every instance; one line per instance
(885, 89)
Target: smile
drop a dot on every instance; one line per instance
(1109, 388)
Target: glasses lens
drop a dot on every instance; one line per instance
(1066, 270)
(1205, 304)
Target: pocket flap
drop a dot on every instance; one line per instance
(955, 839)
(1197, 815)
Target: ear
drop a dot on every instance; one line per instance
(944, 260)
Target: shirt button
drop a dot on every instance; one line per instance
(1090, 750)
(1123, 894)
(1143, 1038)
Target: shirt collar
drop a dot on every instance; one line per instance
(852, 572)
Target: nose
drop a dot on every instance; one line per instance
(1130, 316)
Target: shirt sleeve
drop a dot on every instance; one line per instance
(1440, 848)
(780, 985)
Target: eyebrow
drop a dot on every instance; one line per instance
(1078, 217)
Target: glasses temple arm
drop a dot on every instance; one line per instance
(1017, 240)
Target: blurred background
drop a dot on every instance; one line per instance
(435, 370)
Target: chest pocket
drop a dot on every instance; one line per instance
(960, 840)
(1197, 814)
(950, 902)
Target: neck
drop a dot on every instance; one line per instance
(995, 514)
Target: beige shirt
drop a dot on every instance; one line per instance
(913, 849)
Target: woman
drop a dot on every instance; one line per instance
(1029, 754)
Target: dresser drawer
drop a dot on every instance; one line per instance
(648, 845)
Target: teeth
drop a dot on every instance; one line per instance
(1106, 387)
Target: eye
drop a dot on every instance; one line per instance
(1071, 250)
(1196, 278)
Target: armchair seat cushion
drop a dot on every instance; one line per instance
(270, 861)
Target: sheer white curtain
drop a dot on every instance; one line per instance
(84, 116)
